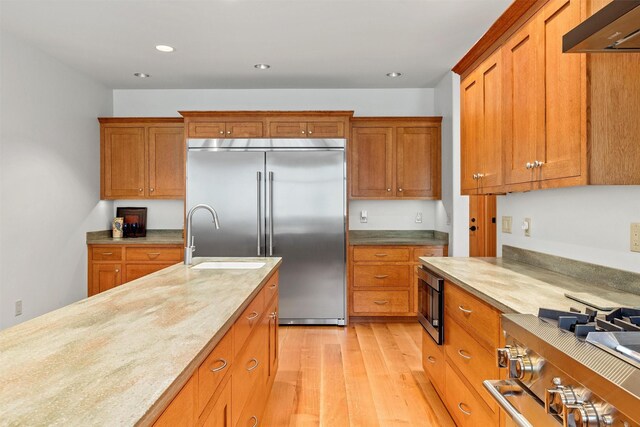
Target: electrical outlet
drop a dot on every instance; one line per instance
(506, 224)
(364, 216)
(18, 307)
(526, 226)
(635, 237)
(419, 217)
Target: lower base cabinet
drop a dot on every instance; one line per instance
(231, 386)
(466, 408)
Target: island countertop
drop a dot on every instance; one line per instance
(515, 287)
(119, 357)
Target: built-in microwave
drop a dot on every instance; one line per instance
(430, 304)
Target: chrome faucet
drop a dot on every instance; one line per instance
(188, 250)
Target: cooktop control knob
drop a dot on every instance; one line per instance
(527, 368)
(586, 414)
(559, 398)
(506, 355)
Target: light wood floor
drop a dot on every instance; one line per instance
(367, 374)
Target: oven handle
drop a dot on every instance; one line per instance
(517, 417)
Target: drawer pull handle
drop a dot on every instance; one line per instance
(464, 354)
(431, 359)
(255, 364)
(252, 316)
(381, 276)
(255, 421)
(381, 255)
(381, 302)
(107, 253)
(463, 410)
(465, 310)
(153, 253)
(275, 285)
(221, 367)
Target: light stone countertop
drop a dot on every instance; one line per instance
(153, 237)
(515, 287)
(119, 357)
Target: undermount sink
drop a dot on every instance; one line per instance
(224, 265)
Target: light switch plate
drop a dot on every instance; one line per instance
(18, 307)
(506, 224)
(419, 218)
(526, 226)
(635, 237)
(364, 216)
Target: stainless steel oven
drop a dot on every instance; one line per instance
(430, 304)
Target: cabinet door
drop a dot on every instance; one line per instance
(166, 162)
(220, 415)
(417, 162)
(325, 129)
(244, 129)
(561, 150)
(288, 129)
(124, 162)
(490, 143)
(182, 409)
(105, 276)
(470, 121)
(523, 102)
(372, 163)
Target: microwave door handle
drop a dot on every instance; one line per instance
(515, 415)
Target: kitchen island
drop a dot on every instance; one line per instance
(120, 357)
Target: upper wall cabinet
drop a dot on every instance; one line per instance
(141, 158)
(563, 119)
(395, 158)
(267, 124)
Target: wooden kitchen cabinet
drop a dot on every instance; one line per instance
(395, 158)
(481, 128)
(231, 386)
(112, 265)
(221, 129)
(383, 280)
(294, 129)
(141, 158)
(567, 119)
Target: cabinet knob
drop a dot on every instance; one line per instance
(221, 132)
(529, 165)
(538, 164)
(117, 270)
(151, 189)
(228, 132)
(399, 189)
(302, 132)
(309, 132)
(388, 190)
(473, 228)
(140, 190)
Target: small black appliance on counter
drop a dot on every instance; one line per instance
(135, 221)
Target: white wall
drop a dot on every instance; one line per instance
(49, 180)
(161, 214)
(452, 214)
(590, 224)
(365, 102)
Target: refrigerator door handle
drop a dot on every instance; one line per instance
(259, 192)
(270, 213)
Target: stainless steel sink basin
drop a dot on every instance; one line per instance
(228, 265)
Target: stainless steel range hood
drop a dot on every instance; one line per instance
(614, 28)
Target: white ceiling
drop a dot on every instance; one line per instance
(308, 43)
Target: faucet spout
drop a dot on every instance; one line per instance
(190, 247)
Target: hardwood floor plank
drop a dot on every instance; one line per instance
(363, 375)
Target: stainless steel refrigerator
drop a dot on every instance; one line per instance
(277, 197)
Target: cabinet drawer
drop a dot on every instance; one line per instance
(106, 253)
(213, 369)
(135, 271)
(381, 275)
(155, 253)
(206, 129)
(247, 322)
(427, 252)
(249, 370)
(388, 302)
(473, 315)
(252, 412)
(433, 361)
(271, 288)
(325, 129)
(474, 361)
(380, 254)
(467, 408)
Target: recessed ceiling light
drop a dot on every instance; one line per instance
(394, 74)
(142, 75)
(164, 48)
(262, 66)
